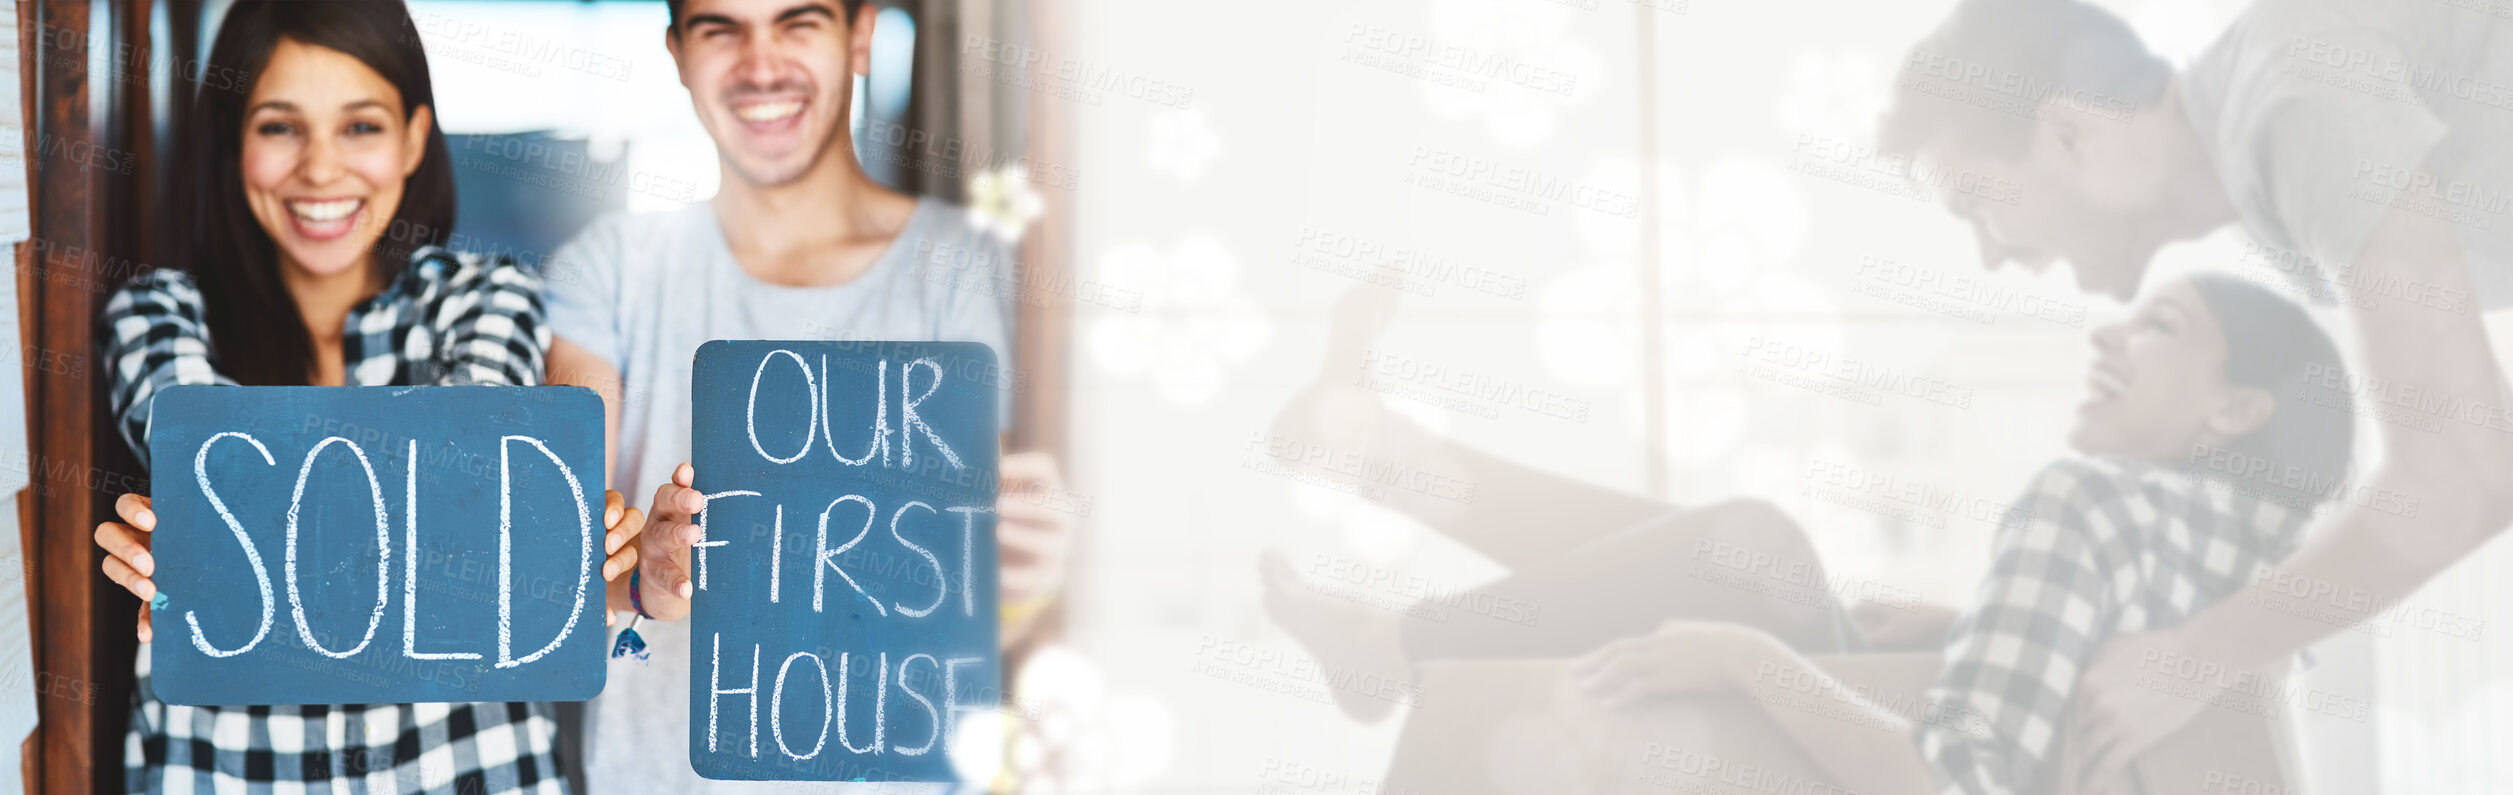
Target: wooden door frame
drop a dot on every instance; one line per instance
(85, 72)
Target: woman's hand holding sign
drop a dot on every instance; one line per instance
(622, 524)
(127, 562)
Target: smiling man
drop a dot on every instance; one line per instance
(797, 244)
(2362, 146)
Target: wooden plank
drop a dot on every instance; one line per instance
(1045, 335)
(1043, 340)
(78, 618)
(65, 216)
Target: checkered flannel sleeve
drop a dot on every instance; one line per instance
(155, 335)
(494, 327)
(2012, 661)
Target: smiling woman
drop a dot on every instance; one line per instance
(313, 203)
(334, 146)
(315, 185)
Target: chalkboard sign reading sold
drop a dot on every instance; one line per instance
(360, 545)
(845, 615)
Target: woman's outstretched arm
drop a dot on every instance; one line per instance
(1991, 724)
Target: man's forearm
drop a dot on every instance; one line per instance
(574, 366)
(2450, 476)
(2349, 572)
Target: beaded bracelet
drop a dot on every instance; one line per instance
(636, 591)
(630, 644)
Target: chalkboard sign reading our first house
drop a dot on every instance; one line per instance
(845, 613)
(360, 545)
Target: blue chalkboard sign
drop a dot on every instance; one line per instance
(845, 612)
(359, 545)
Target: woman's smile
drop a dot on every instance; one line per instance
(327, 144)
(325, 219)
(2103, 384)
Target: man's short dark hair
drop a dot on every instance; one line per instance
(1982, 78)
(848, 6)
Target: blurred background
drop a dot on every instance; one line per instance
(1597, 245)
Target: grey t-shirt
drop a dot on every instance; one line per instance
(2323, 115)
(644, 291)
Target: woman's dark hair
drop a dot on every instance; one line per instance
(2302, 455)
(256, 332)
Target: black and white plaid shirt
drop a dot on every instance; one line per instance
(2096, 548)
(448, 319)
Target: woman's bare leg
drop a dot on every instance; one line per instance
(1741, 561)
(1515, 514)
